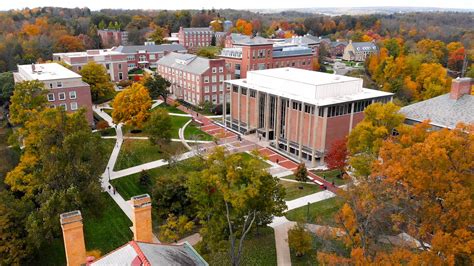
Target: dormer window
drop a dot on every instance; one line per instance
(59, 84)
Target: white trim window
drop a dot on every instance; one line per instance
(62, 96)
(206, 79)
(72, 95)
(206, 89)
(59, 84)
(120, 75)
(214, 88)
(74, 106)
(51, 97)
(221, 69)
(214, 78)
(63, 105)
(214, 70)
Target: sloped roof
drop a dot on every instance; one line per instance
(442, 110)
(141, 253)
(129, 49)
(249, 40)
(201, 29)
(186, 62)
(364, 46)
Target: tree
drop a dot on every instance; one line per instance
(157, 86)
(337, 155)
(170, 196)
(244, 27)
(230, 193)
(216, 25)
(29, 98)
(159, 127)
(131, 106)
(301, 174)
(68, 43)
(300, 240)
(144, 178)
(6, 87)
(422, 186)
(366, 138)
(158, 34)
(175, 228)
(97, 77)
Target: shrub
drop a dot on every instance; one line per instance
(300, 240)
(101, 125)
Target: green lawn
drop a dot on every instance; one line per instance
(135, 152)
(193, 132)
(331, 175)
(177, 122)
(169, 108)
(258, 250)
(105, 232)
(108, 111)
(321, 212)
(129, 186)
(293, 191)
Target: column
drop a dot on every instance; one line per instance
(267, 116)
(352, 117)
(231, 92)
(257, 111)
(278, 121)
(288, 122)
(248, 109)
(311, 117)
(315, 130)
(323, 141)
(300, 130)
(239, 93)
(224, 104)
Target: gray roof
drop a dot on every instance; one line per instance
(334, 44)
(152, 48)
(364, 46)
(442, 110)
(292, 51)
(318, 39)
(186, 62)
(303, 40)
(202, 29)
(248, 40)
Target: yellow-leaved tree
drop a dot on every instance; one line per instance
(131, 106)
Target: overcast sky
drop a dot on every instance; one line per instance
(236, 4)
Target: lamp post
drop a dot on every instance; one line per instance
(108, 171)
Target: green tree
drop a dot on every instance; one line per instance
(393, 47)
(301, 173)
(101, 25)
(6, 87)
(99, 80)
(366, 138)
(158, 35)
(159, 126)
(157, 86)
(175, 228)
(29, 98)
(230, 193)
(14, 244)
(170, 195)
(300, 240)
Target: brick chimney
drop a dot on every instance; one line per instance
(460, 87)
(141, 218)
(73, 234)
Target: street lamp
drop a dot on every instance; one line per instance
(108, 171)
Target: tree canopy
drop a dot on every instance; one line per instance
(97, 77)
(29, 98)
(131, 106)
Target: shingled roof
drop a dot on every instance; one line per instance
(152, 48)
(186, 62)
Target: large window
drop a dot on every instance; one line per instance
(51, 97)
(72, 95)
(62, 96)
(74, 106)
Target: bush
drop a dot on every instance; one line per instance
(125, 83)
(300, 240)
(101, 125)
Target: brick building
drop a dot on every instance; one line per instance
(300, 112)
(142, 250)
(140, 56)
(110, 38)
(66, 88)
(337, 48)
(359, 51)
(115, 62)
(257, 53)
(195, 38)
(194, 79)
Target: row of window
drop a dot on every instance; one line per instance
(261, 66)
(62, 96)
(73, 106)
(143, 57)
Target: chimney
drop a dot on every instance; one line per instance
(33, 67)
(460, 87)
(73, 235)
(141, 218)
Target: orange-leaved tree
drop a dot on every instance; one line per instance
(131, 106)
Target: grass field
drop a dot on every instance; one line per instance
(177, 122)
(135, 152)
(169, 108)
(321, 212)
(331, 175)
(258, 250)
(193, 132)
(247, 156)
(293, 191)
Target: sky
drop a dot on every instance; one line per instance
(240, 4)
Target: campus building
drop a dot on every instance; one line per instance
(115, 62)
(142, 250)
(359, 51)
(146, 56)
(300, 112)
(257, 53)
(444, 111)
(194, 79)
(66, 88)
(337, 48)
(195, 38)
(110, 38)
